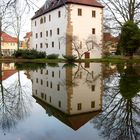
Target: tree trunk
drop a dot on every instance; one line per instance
(0, 36)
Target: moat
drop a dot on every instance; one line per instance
(81, 101)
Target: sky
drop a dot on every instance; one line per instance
(27, 26)
(26, 19)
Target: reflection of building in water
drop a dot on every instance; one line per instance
(8, 69)
(74, 92)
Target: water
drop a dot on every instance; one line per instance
(70, 101)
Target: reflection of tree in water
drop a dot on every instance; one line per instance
(76, 72)
(120, 118)
(14, 103)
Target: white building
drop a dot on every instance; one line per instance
(71, 91)
(69, 26)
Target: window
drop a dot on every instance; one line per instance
(59, 73)
(79, 106)
(36, 35)
(59, 45)
(46, 45)
(41, 20)
(41, 71)
(46, 33)
(45, 97)
(79, 12)
(35, 23)
(59, 14)
(36, 80)
(36, 92)
(51, 85)
(52, 73)
(93, 104)
(50, 32)
(44, 19)
(93, 13)
(41, 45)
(47, 83)
(87, 65)
(52, 44)
(50, 99)
(46, 72)
(58, 31)
(80, 44)
(49, 17)
(40, 34)
(58, 87)
(93, 30)
(41, 82)
(42, 95)
(80, 75)
(93, 87)
(59, 103)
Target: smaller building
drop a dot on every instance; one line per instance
(23, 45)
(28, 40)
(109, 44)
(8, 69)
(9, 44)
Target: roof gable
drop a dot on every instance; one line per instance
(8, 38)
(53, 4)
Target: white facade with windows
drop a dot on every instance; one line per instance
(65, 28)
(70, 90)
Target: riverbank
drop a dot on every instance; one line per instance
(111, 59)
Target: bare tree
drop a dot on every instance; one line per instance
(121, 11)
(18, 19)
(80, 47)
(14, 103)
(121, 111)
(5, 14)
(76, 73)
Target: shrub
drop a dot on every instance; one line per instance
(53, 64)
(70, 58)
(18, 53)
(30, 66)
(29, 54)
(52, 56)
(69, 65)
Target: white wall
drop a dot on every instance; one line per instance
(83, 93)
(55, 23)
(82, 27)
(55, 95)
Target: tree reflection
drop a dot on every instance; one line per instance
(120, 118)
(14, 103)
(76, 72)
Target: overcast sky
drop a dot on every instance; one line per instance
(27, 21)
(39, 3)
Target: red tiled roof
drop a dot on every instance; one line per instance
(28, 35)
(7, 74)
(53, 4)
(109, 37)
(8, 38)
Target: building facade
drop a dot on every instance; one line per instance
(8, 44)
(28, 40)
(69, 27)
(110, 44)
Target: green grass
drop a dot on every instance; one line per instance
(112, 59)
